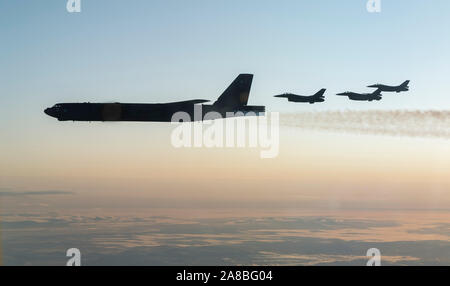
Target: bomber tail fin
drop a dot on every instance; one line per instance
(236, 95)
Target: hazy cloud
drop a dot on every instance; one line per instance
(34, 193)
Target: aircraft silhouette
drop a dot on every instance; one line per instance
(376, 95)
(318, 97)
(232, 100)
(403, 87)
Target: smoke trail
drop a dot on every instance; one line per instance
(417, 123)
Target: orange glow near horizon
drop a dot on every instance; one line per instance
(332, 168)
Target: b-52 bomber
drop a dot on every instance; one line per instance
(318, 97)
(232, 102)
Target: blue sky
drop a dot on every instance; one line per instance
(156, 51)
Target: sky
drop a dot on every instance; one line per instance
(157, 51)
(349, 175)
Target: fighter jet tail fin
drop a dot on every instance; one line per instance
(236, 95)
(320, 93)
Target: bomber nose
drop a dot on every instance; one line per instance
(50, 112)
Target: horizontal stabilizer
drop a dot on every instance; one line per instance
(187, 102)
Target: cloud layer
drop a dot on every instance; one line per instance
(155, 240)
(34, 193)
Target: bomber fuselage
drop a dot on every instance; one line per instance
(159, 112)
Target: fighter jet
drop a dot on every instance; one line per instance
(376, 95)
(318, 97)
(232, 101)
(403, 87)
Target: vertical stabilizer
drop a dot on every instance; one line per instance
(236, 95)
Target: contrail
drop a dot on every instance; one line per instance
(428, 123)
